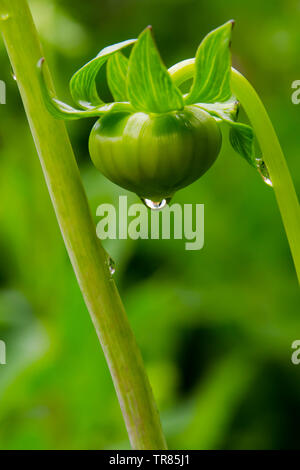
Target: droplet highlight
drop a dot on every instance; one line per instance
(263, 171)
(156, 205)
(111, 266)
(4, 16)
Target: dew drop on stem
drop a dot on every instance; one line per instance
(110, 263)
(13, 75)
(111, 266)
(264, 173)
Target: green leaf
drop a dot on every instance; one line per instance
(241, 138)
(61, 110)
(227, 110)
(83, 83)
(149, 85)
(241, 135)
(212, 68)
(116, 73)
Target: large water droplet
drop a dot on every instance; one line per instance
(264, 173)
(156, 205)
(111, 266)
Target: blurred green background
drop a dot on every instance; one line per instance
(215, 326)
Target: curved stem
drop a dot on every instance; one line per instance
(273, 156)
(88, 258)
(271, 150)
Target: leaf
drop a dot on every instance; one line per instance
(61, 110)
(241, 138)
(149, 85)
(241, 135)
(212, 68)
(116, 73)
(227, 110)
(83, 83)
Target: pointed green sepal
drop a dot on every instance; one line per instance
(116, 73)
(227, 110)
(61, 110)
(149, 86)
(241, 137)
(83, 83)
(212, 68)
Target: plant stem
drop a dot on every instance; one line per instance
(88, 258)
(271, 150)
(273, 157)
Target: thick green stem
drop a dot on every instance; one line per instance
(271, 151)
(88, 258)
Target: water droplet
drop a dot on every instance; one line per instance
(13, 75)
(111, 266)
(156, 205)
(4, 16)
(264, 173)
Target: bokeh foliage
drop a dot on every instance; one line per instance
(215, 327)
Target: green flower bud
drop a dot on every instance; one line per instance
(153, 139)
(154, 155)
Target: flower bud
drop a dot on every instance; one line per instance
(154, 155)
